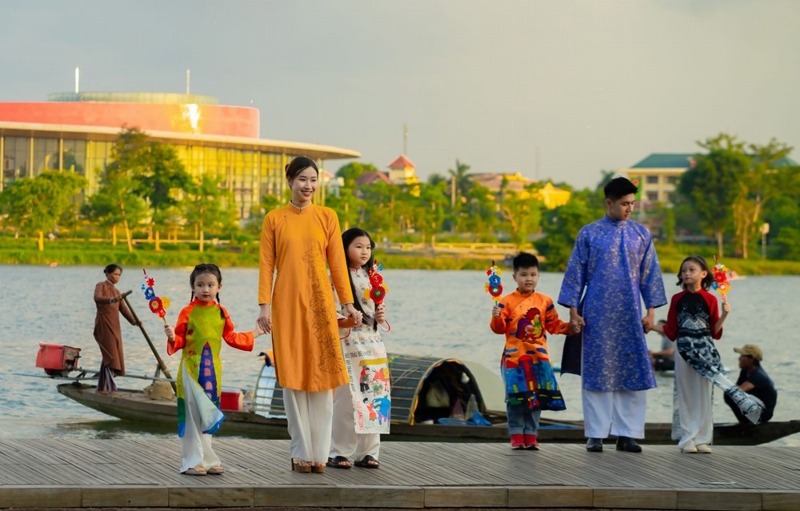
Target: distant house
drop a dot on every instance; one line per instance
(495, 181)
(402, 171)
(516, 183)
(657, 176)
(368, 178)
(551, 196)
(332, 184)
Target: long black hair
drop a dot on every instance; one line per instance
(348, 237)
(211, 269)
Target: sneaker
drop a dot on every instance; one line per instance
(689, 449)
(531, 442)
(517, 442)
(703, 448)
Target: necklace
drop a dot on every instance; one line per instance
(299, 207)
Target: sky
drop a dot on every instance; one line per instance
(559, 90)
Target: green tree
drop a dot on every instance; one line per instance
(711, 187)
(352, 171)
(760, 183)
(431, 210)
(149, 170)
(380, 210)
(460, 183)
(522, 215)
(118, 200)
(561, 225)
(210, 207)
(479, 214)
(783, 216)
(162, 177)
(115, 204)
(38, 204)
(348, 207)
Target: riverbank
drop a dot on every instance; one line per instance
(245, 255)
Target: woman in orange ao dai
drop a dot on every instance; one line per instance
(297, 306)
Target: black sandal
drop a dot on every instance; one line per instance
(337, 462)
(368, 462)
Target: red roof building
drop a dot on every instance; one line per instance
(402, 171)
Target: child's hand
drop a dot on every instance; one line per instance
(346, 322)
(354, 314)
(496, 310)
(574, 328)
(170, 332)
(726, 309)
(258, 331)
(380, 313)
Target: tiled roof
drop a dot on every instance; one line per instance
(681, 161)
(368, 178)
(402, 162)
(665, 161)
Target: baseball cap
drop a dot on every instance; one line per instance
(752, 350)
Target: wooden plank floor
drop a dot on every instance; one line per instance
(143, 473)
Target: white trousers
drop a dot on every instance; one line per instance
(308, 417)
(695, 410)
(344, 439)
(618, 412)
(195, 445)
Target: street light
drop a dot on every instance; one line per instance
(764, 230)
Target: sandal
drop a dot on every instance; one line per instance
(216, 470)
(339, 462)
(195, 471)
(368, 462)
(318, 468)
(302, 467)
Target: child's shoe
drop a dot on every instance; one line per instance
(703, 449)
(531, 442)
(517, 441)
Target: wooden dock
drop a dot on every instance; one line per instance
(142, 473)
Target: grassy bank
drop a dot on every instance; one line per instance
(87, 253)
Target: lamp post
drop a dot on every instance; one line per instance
(764, 230)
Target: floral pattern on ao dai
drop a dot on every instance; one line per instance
(367, 364)
(612, 269)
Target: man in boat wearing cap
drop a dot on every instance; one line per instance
(755, 381)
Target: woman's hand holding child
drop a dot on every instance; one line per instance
(354, 314)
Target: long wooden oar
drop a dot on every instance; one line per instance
(161, 365)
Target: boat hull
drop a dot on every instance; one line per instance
(134, 406)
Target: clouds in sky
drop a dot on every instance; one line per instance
(554, 90)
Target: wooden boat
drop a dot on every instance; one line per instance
(426, 393)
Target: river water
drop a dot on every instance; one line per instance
(432, 313)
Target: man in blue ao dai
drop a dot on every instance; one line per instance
(613, 267)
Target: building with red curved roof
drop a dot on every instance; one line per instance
(75, 132)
